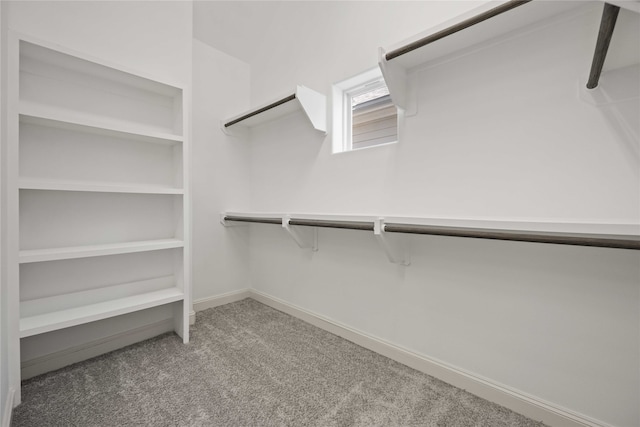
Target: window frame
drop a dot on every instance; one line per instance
(343, 93)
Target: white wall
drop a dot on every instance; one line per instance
(221, 173)
(4, 320)
(153, 38)
(499, 134)
(312, 42)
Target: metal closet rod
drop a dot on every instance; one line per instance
(350, 225)
(575, 239)
(250, 219)
(455, 28)
(261, 110)
(607, 25)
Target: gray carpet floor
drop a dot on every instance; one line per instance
(250, 365)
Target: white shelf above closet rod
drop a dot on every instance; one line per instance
(620, 236)
(313, 104)
(486, 22)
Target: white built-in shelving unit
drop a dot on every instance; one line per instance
(312, 103)
(99, 171)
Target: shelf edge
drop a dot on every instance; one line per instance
(75, 252)
(42, 117)
(88, 186)
(165, 296)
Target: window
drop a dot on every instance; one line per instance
(364, 115)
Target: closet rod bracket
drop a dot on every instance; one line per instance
(394, 247)
(305, 237)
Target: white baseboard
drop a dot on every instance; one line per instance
(8, 408)
(515, 400)
(229, 297)
(60, 359)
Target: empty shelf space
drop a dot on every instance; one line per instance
(55, 254)
(60, 62)
(100, 187)
(49, 116)
(62, 311)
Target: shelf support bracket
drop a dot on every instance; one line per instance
(393, 247)
(314, 106)
(305, 237)
(395, 78)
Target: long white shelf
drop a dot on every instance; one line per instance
(93, 186)
(614, 235)
(52, 117)
(311, 102)
(442, 40)
(72, 252)
(62, 311)
(484, 24)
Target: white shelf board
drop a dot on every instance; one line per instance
(516, 19)
(92, 186)
(62, 311)
(522, 18)
(52, 117)
(56, 254)
(632, 5)
(595, 228)
(311, 102)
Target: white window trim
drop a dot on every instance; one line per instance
(341, 101)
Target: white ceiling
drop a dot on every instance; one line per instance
(233, 26)
(244, 29)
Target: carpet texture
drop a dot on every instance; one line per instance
(250, 365)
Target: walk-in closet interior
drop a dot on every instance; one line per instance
(453, 186)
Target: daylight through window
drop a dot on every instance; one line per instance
(366, 115)
(374, 118)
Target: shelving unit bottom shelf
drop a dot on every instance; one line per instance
(62, 311)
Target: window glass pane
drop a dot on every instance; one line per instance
(374, 122)
(365, 116)
(374, 118)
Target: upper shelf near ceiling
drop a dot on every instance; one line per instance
(313, 104)
(492, 21)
